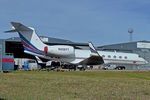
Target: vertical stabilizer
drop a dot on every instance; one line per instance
(29, 38)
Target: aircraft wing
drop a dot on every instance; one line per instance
(94, 59)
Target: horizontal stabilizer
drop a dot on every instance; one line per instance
(10, 31)
(20, 27)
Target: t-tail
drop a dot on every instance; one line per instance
(30, 40)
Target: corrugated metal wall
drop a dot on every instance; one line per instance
(0, 58)
(145, 53)
(8, 63)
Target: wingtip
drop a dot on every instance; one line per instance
(91, 44)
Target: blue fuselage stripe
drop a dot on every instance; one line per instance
(26, 48)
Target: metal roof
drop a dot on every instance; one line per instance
(123, 43)
(50, 40)
(128, 46)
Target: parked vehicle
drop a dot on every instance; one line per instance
(120, 67)
(32, 65)
(112, 67)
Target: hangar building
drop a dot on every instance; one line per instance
(14, 48)
(140, 47)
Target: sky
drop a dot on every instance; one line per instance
(100, 21)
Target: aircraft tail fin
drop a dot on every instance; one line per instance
(30, 40)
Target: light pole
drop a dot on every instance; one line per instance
(130, 31)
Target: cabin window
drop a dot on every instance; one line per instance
(125, 57)
(120, 57)
(109, 56)
(115, 57)
(139, 56)
(103, 56)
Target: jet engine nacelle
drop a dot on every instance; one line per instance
(60, 50)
